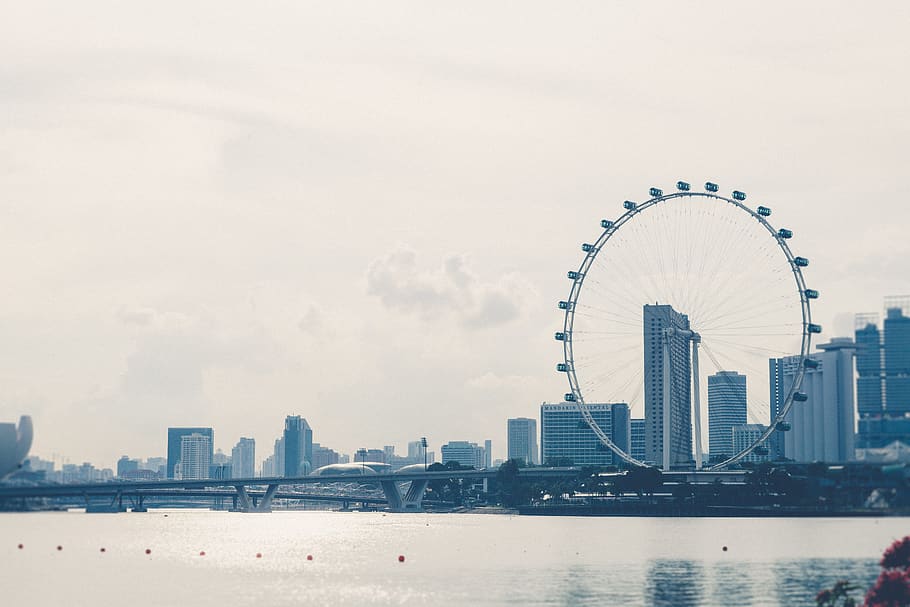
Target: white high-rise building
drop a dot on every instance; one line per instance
(743, 435)
(465, 453)
(566, 439)
(522, 440)
(195, 456)
(243, 458)
(822, 427)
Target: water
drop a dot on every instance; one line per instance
(450, 559)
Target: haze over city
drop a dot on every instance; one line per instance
(364, 214)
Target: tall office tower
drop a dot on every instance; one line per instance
(279, 456)
(243, 458)
(743, 435)
(416, 451)
(488, 454)
(726, 408)
(822, 426)
(897, 355)
(174, 437)
(298, 446)
(869, 393)
(195, 456)
(637, 439)
(522, 439)
(657, 319)
(465, 453)
(268, 467)
(566, 437)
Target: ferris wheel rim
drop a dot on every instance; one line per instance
(631, 212)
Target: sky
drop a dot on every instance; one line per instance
(215, 214)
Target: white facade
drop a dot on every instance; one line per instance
(823, 427)
(465, 453)
(243, 458)
(195, 456)
(743, 435)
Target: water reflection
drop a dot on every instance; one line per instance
(733, 584)
(797, 582)
(674, 583)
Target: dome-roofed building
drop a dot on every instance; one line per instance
(355, 469)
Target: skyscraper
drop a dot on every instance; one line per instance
(726, 408)
(298, 446)
(897, 356)
(243, 458)
(657, 320)
(278, 462)
(566, 437)
(743, 435)
(467, 454)
(522, 440)
(637, 439)
(822, 426)
(195, 456)
(869, 393)
(174, 436)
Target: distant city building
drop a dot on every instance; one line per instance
(195, 456)
(658, 318)
(155, 464)
(487, 454)
(174, 441)
(465, 453)
(883, 382)
(220, 458)
(637, 439)
(127, 466)
(269, 469)
(822, 427)
(522, 440)
(278, 454)
(726, 408)
(243, 458)
(566, 437)
(323, 456)
(298, 446)
(742, 437)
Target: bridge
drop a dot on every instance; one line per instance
(403, 491)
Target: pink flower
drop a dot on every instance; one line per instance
(897, 556)
(891, 589)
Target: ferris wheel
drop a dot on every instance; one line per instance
(674, 276)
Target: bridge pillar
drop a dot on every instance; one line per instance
(265, 504)
(245, 504)
(410, 501)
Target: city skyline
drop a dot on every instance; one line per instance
(193, 237)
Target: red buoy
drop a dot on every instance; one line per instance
(400, 558)
(148, 550)
(309, 557)
(202, 553)
(21, 546)
(103, 550)
(725, 548)
(59, 547)
(258, 555)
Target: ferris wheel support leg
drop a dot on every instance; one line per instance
(696, 402)
(666, 404)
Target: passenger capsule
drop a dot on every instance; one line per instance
(606, 223)
(810, 363)
(562, 367)
(564, 305)
(682, 186)
(801, 261)
(815, 328)
(559, 336)
(782, 426)
(587, 248)
(656, 192)
(711, 187)
(785, 233)
(800, 397)
(569, 397)
(737, 195)
(811, 294)
(629, 205)
(573, 274)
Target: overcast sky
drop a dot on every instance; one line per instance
(223, 213)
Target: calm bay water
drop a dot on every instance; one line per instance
(450, 559)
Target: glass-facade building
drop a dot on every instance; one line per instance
(658, 318)
(522, 440)
(637, 439)
(566, 437)
(726, 408)
(298, 446)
